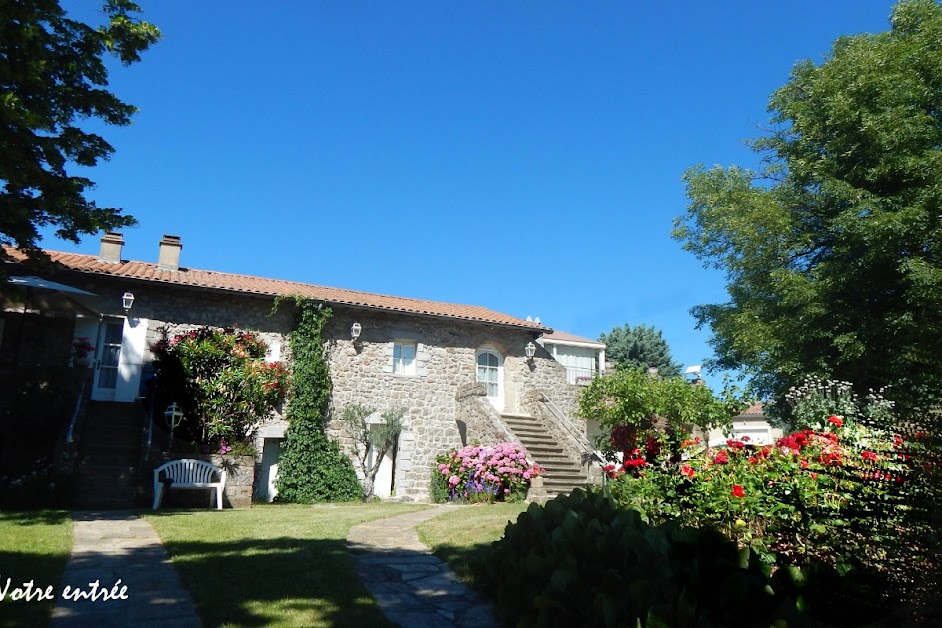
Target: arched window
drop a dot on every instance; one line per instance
(490, 371)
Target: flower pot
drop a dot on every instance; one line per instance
(81, 362)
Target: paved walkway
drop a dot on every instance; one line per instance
(112, 545)
(412, 587)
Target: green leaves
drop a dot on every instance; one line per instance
(640, 347)
(312, 468)
(833, 250)
(54, 73)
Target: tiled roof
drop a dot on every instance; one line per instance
(208, 279)
(756, 409)
(562, 337)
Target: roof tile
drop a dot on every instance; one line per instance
(195, 278)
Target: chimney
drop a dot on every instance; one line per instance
(169, 258)
(111, 245)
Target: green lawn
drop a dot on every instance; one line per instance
(457, 537)
(34, 546)
(273, 565)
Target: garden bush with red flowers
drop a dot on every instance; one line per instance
(841, 491)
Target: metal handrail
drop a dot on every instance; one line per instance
(75, 413)
(150, 426)
(568, 425)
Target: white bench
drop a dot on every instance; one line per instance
(189, 473)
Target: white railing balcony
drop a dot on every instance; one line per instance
(579, 376)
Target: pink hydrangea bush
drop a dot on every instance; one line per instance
(476, 473)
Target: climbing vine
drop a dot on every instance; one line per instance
(312, 468)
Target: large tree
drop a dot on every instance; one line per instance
(833, 248)
(53, 77)
(642, 347)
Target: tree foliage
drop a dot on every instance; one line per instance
(833, 247)
(312, 468)
(52, 77)
(635, 406)
(369, 438)
(640, 347)
(221, 380)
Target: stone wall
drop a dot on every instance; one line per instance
(478, 420)
(362, 371)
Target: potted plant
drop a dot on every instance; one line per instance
(81, 347)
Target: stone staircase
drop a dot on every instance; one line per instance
(109, 456)
(563, 471)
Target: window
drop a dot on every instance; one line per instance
(404, 358)
(489, 372)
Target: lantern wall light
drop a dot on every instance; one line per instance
(355, 330)
(127, 300)
(530, 350)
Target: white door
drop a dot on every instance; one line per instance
(268, 473)
(491, 372)
(107, 359)
(119, 359)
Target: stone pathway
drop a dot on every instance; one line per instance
(113, 545)
(412, 587)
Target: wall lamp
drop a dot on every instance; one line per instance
(127, 300)
(530, 350)
(355, 330)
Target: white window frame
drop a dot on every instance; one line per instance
(399, 365)
(498, 400)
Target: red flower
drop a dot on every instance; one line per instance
(688, 471)
(836, 420)
(738, 491)
(753, 460)
(804, 463)
(720, 458)
(868, 455)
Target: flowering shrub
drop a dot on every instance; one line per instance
(81, 347)
(221, 380)
(485, 473)
(813, 495)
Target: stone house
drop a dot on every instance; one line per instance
(463, 373)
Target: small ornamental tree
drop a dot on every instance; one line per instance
(375, 439)
(221, 380)
(647, 413)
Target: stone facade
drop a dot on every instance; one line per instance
(435, 393)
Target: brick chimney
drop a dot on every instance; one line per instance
(169, 258)
(111, 245)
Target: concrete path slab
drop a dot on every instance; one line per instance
(119, 549)
(412, 587)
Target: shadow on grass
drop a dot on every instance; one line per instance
(25, 557)
(284, 580)
(459, 559)
(33, 517)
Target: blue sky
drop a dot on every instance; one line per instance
(523, 156)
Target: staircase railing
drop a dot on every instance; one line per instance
(69, 435)
(566, 423)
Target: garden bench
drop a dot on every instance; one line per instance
(189, 473)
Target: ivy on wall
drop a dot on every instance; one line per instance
(312, 468)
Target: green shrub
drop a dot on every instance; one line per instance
(313, 469)
(438, 487)
(221, 380)
(583, 561)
